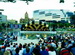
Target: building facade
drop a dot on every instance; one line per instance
(3, 18)
(51, 15)
(25, 19)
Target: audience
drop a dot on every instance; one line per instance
(43, 51)
(52, 51)
(52, 45)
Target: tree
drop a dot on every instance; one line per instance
(67, 24)
(3, 25)
(61, 1)
(54, 27)
(72, 18)
(60, 25)
(28, 1)
(1, 28)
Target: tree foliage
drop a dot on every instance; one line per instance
(72, 18)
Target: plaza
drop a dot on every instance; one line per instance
(25, 40)
(37, 27)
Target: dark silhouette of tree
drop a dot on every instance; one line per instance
(61, 1)
(72, 18)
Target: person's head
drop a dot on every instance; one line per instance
(20, 44)
(62, 46)
(42, 44)
(16, 44)
(69, 42)
(0, 48)
(27, 50)
(37, 45)
(51, 48)
(43, 47)
(24, 46)
(11, 43)
(8, 45)
(32, 43)
(29, 45)
(17, 50)
(74, 45)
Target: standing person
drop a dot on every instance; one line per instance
(48, 48)
(27, 51)
(44, 52)
(52, 51)
(36, 50)
(24, 49)
(13, 50)
(38, 36)
(3, 48)
(1, 53)
(12, 34)
(53, 44)
(73, 49)
(9, 33)
(16, 38)
(5, 36)
(69, 44)
(7, 50)
(64, 51)
(17, 51)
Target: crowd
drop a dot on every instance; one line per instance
(52, 45)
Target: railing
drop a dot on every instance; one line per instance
(51, 32)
